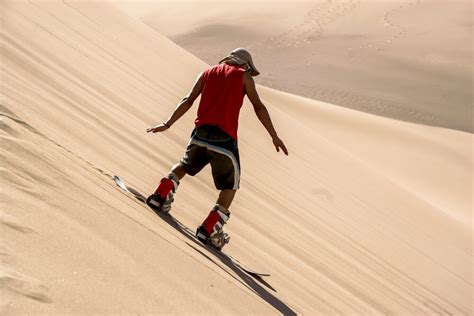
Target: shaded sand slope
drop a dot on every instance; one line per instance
(366, 215)
(405, 59)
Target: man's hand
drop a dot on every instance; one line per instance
(279, 144)
(181, 109)
(158, 128)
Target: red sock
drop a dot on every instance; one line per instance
(164, 188)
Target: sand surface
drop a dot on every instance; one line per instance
(405, 59)
(367, 215)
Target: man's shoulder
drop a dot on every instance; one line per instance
(223, 70)
(212, 69)
(248, 77)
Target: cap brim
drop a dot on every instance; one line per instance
(254, 71)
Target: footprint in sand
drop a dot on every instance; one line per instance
(15, 282)
(323, 193)
(13, 223)
(387, 22)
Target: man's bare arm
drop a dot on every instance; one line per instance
(262, 112)
(182, 107)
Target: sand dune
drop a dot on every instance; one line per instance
(405, 59)
(367, 215)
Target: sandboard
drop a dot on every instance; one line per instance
(137, 195)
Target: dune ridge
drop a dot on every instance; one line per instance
(406, 59)
(343, 225)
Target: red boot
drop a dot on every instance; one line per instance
(162, 198)
(211, 230)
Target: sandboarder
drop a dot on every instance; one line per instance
(214, 138)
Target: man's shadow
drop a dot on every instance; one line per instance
(242, 277)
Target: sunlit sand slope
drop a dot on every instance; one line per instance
(366, 215)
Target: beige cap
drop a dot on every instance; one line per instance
(241, 56)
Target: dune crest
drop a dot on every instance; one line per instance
(405, 59)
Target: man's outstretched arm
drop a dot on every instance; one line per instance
(182, 107)
(262, 112)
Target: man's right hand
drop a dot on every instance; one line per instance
(279, 144)
(158, 128)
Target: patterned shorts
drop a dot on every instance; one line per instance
(209, 144)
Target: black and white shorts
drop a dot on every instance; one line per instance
(210, 144)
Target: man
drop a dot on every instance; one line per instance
(214, 139)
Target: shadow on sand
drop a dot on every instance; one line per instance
(215, 257)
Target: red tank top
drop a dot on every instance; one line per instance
(221, 98)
